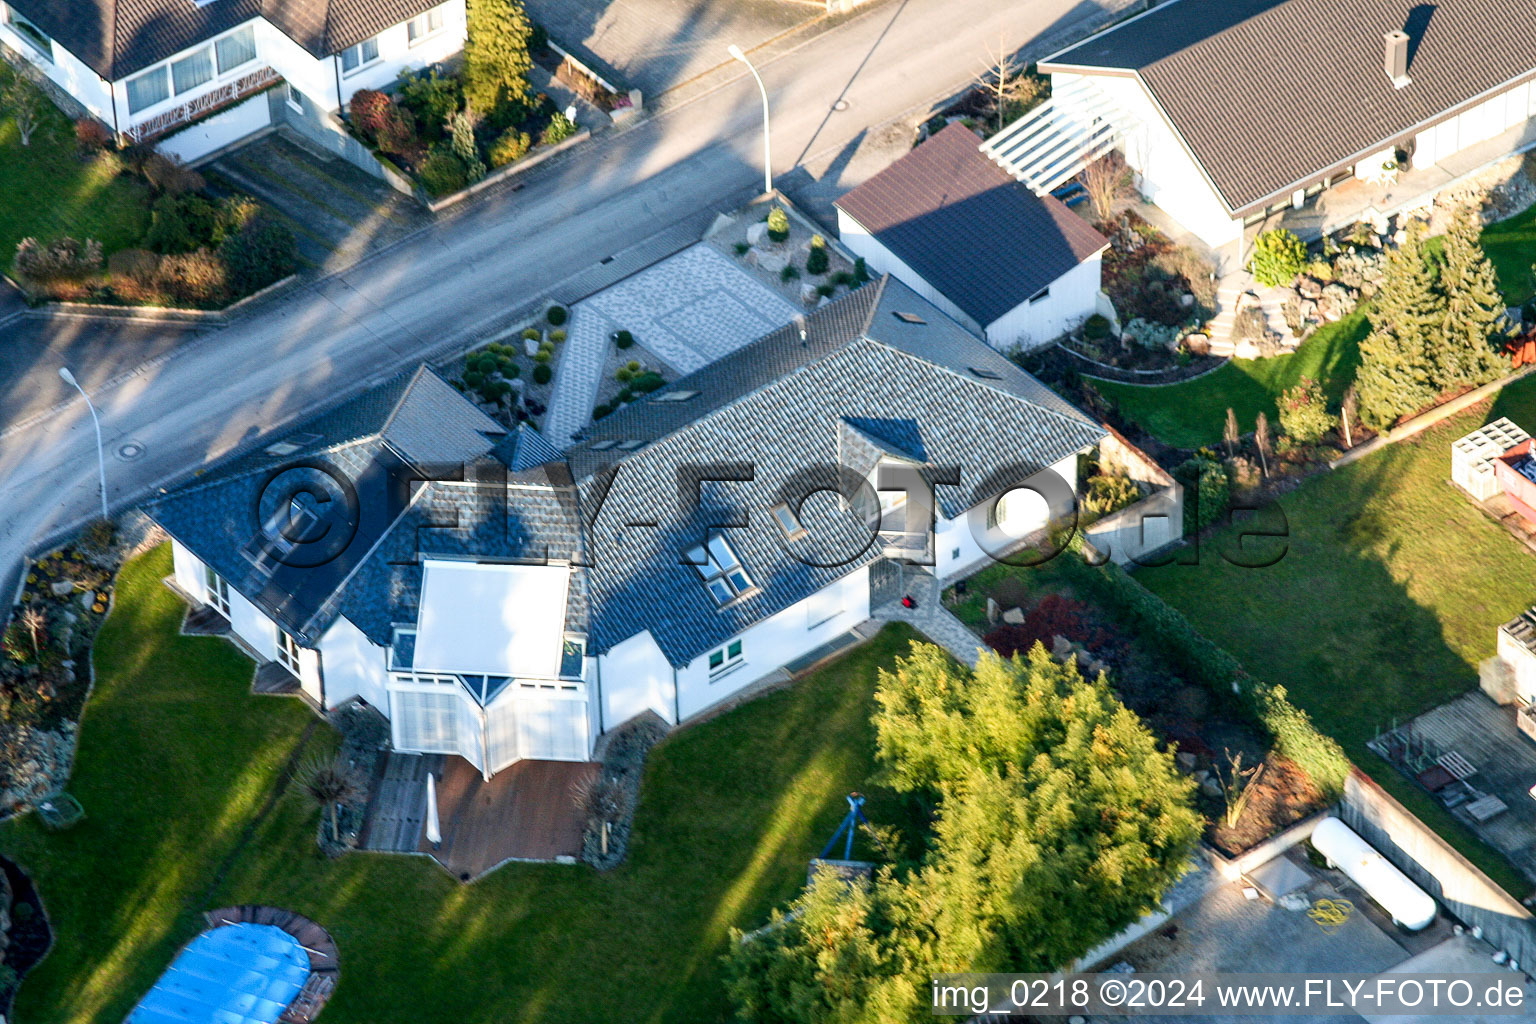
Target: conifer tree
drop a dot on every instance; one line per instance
(1467, 356)
(1397, 361)
(496, 58)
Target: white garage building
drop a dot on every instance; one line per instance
(1019, 269)
(500, 600)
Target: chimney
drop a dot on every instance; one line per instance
(1397, 58)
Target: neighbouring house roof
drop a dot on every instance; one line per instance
(986, 242)
(116, 38)
(616, 507)
(1268, 94)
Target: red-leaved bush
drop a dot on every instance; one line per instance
(1054, 616)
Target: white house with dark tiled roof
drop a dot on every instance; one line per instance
(197, 76)
(501, 601)
(1234, 112)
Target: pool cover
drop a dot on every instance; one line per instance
(234, 974)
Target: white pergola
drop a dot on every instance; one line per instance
(1054, 142)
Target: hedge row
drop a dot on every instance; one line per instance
(1289, 727)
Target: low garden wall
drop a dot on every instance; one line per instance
(1436, 867)
(325, 130)
(157, 314)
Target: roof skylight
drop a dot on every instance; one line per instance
(908, 318)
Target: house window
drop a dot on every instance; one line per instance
(235, 49)
(294, 97)
(1040, 296)
(153, 86)
(192, 70)
(724, 659)
(287, 651)
(721, 570)
(787, 522)
(573, 655)
(356, 57)
(30, 32)
(423, 25)
(217, 591)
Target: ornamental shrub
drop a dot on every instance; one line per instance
(1278, 257)
(623, 339)
(496, 57)
(260, 253)
(1207, 491)
(557, 336)
(542, 374)
(198, 278)
(487, 363)
(61, 260)
(860, 271)
(559, 129)
(1096, 327)
(532, 334)
(431, 98)
(397, 133)
(1304, 412)
(473, 378)
(647, 382)
(778, 224)
(181, 223)
(441, 173)
(369, 109)
(556, 315)
(789, 273)
(509, 146)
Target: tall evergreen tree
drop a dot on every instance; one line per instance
(1397, 361)
(496, 58)
(1467, 356)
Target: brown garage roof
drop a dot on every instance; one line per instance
(1270, 93)
(116, 38)
(967, 227)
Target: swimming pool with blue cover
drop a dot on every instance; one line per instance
(233, 974)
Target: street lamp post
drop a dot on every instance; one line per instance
(735, 51)
(101, 457)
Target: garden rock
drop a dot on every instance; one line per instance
(1187, 761)
(1210, 787)
(808, 293)
(772, 262)
(531, 347)
(1014, 616)
(757, 233)
(62, 588)
(1309, 287)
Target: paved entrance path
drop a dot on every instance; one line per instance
(689, 310)
(930, 617)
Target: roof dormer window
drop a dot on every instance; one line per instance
(720, 570)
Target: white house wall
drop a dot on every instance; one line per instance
(65, 70)
(1479, 124)
(777, 640)
(228, 126)
(636, 677)
(957, 547)
(1073, 298)
(188, 569)
(1522, 664)
(882, 261)
(1170, 177)
(354, 667)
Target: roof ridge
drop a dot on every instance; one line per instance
(399, 402)
(197, 486)
(1084, 422)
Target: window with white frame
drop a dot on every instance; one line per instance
(294, 98)
(35, 36)
(720, 569)
(424, 25)
(217, 590)
(786, 521)
(235, 49)
(193, 70)
(354, 58)
(724, 659)
(287, 650)
(144, 91)
(426, 721)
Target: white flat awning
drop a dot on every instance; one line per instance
(1054, 142)
(504, 620)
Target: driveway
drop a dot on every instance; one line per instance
(656, 45)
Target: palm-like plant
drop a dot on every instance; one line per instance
(34, 622)
(329, 781)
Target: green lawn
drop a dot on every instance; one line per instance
(1389, 595)
(1191, 414)
(1511, 245)
(177, 761)
(49, 191)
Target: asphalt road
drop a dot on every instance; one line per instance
(470, 272)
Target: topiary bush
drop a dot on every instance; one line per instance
(1278, 256)
(1207, 490)
(542, 374)
(778, 224)
(647, 382)
(1304, 412)
(860, 271)
(557, 336)
(487, 363)
(532, 334)
(789, 273)
(556, 315)
(1096, 327)
(623, 339)
(816, 261)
